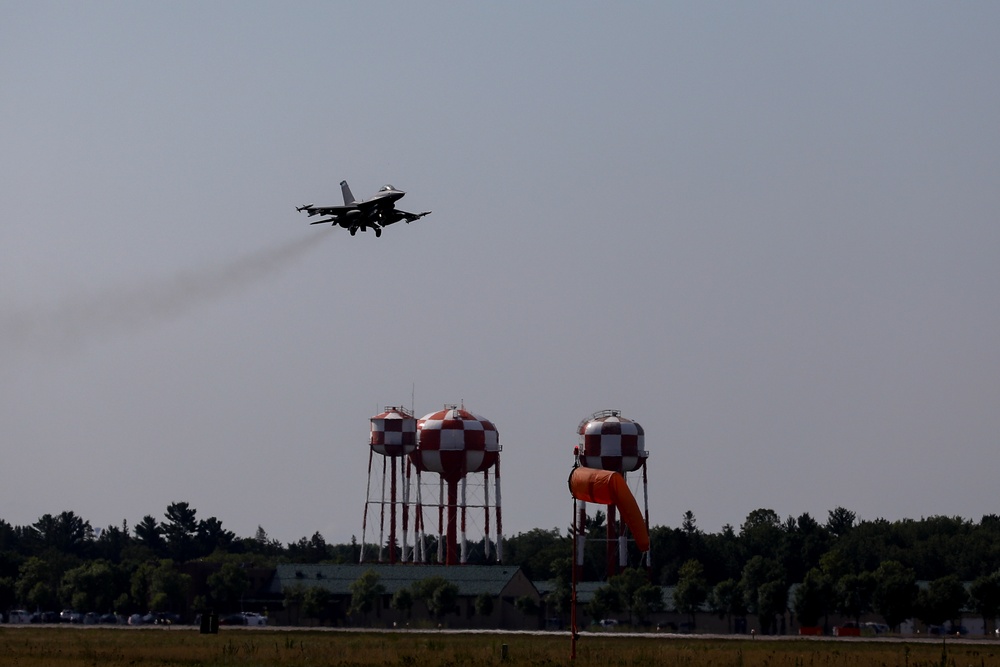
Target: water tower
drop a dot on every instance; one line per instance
(455, 443)
(394, 438)
(609, 441)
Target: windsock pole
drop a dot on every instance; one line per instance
(645, 502)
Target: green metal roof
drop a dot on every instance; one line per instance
(470, 579)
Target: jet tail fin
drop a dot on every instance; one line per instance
(348, 197)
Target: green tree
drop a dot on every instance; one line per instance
(228, 585)
(559, 598)
(805, 542)
(91, 586)
(758, 571)
(111, 543)
(211, 536)
(941, 601)
(527, 605)
(317, 603)
(484, 604)
(984, 596)
(148, 533)
(895, 592)
(262, 545)
(727, 600)
(535, 551)
(402, 600)
(293, 601)
(311, 550)
(646, 600)
(840, 521)
(689, 524)
(365, 593)
(180, 530)
(619, 594)
(692, 590)
(772, 601)
(438, 594)
(605, 600)
(66, 533)
(7, 592)
(159, 586)
(761, 533)
(813, 597)
(853, 594)
(38, 582)
(444, 600)
(170, 588)
(762, 577)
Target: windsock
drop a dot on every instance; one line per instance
(606, 487)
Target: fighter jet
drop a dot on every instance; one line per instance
(377, 212)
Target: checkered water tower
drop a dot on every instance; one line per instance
(456, 444)
(394, 438)
(609, 441)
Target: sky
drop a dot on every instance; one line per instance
(766, 231)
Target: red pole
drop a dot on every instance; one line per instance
(392, 513)
(612, 543)
(452, 546)
(486, 510)
(496, 478)
(381, 513)
(406, 506)
(579, 525)
(645, 501)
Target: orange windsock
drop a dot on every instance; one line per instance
(606, 487)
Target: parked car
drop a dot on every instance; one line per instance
(18, 616)
(877, 628)
(849, 629)
(70, 616)
(254, 619)
(161, 618)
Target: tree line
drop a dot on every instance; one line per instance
(929, 569)
(840, 566)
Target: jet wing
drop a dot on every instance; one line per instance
(331, 210)
(410, 217)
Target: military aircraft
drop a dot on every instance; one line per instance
(377, 212)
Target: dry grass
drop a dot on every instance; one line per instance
(79, 647)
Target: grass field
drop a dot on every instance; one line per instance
(79, 647)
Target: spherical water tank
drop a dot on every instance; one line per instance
(454, 442)
(394, 432)
(609, 441)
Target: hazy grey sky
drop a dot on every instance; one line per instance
(766, 231)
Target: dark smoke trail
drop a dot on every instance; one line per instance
(83, 318)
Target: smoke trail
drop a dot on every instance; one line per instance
(83, 318)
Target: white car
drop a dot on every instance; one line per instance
(254, 619)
